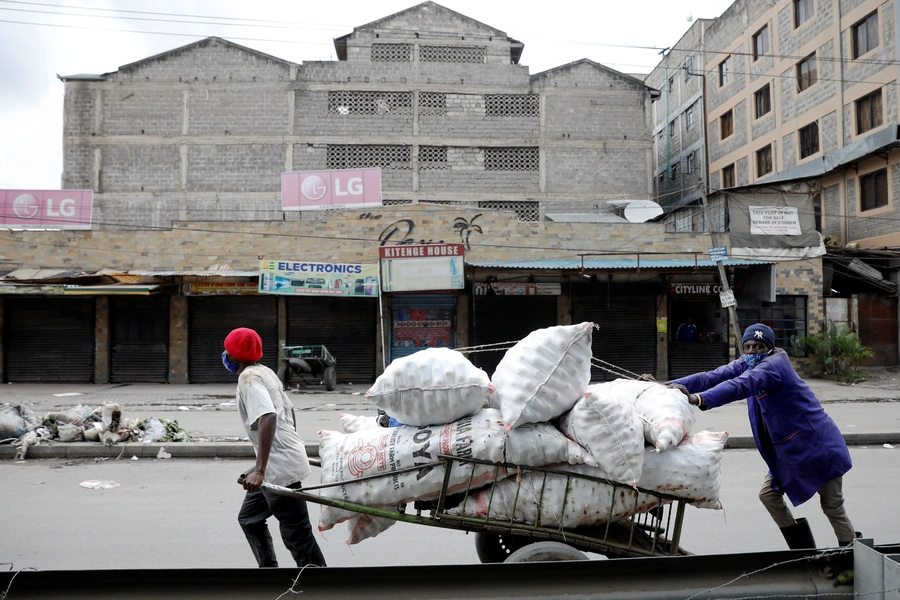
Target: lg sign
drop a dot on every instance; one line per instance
(46, 209)
(318, 190)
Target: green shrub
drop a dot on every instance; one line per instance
(838, 351)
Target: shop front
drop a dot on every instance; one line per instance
(419, 321)
(698, 328)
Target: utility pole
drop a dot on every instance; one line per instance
(723, 277)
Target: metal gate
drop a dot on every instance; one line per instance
(419, 321)
(627, 333)
(346, 326)
(139, 339)
(211, 319)
(497, 319)
(49, 339)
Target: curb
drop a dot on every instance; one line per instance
(245, 449)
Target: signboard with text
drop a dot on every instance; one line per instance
(410, 268)
(694, 289)
(298, 278)
(718, 254)
(774, 220)
(517, 289)
(224, 288)
(46, 209)
(320, 190)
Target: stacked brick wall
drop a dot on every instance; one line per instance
(160, 169)
(717, 148)
(152, 111)
(874, 62)
(831, 213)
(238, 111)
(251, 167)
(863, 226)
(795, 103)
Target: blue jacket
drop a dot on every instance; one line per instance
(798, 440)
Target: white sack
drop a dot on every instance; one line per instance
(431, 387)
(544, 374)
(609, 428)
(690, 471)
(347, 457)
(362, 527)
(666, 413)
(352, 423)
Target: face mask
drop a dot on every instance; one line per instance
(754, 359)
(231, 366)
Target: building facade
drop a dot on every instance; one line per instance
(185, 150)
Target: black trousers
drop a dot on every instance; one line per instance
(293, 520)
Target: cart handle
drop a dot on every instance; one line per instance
(315, 462)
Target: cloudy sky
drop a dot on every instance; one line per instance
(41, 39)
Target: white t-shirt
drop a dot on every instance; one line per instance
(259, 393)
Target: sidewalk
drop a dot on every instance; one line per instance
(867, 413)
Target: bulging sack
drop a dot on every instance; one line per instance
(691, 471)
(544, 374)
(384, 451)
(431, 387)
(609, 428)
(353, 423)
(666, 415)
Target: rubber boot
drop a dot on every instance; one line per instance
(799, 536)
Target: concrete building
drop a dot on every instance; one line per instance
(800, 94)
(185, 150)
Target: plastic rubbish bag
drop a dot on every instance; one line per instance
(154, 430)
(16, 419)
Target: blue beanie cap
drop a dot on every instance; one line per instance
(759, 333)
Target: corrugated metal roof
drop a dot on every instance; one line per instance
(562, 265)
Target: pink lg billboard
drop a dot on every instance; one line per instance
(46, 209)
(318, 190)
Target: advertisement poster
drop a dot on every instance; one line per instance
(411, 268)
(297, 278)
(46, 209)
(341, 188)
(423, 328)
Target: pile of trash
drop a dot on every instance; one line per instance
(104, 424)
(538, 410)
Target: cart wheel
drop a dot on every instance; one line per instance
(330, 378)
(497, 547)
(546, 552)
(284, 376)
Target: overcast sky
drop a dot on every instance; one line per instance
(41, 39)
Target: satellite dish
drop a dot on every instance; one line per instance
(641, 211)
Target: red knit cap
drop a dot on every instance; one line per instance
(244, 345)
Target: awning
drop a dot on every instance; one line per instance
(602, 265)
(116, 289)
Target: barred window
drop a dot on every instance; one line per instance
(511, 159)
(392, 52)
(370, 103)
(873, 190)
(512, 105)
(432, 158)
(395, 202)
(452, 54)
(526, 211)
(363, 157)
(432, 103)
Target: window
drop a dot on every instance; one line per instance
(803, 10)
(786, 316)
(673, 127)
(726, 125)
(688, 68)
(806, 72)
(728, 176)
(865, 35)
(761, 43)
(868, 112)
(691, 166)
(764, 161)
(673, 173)
(689, 118)
(724, 71)
(809, 140)
(873, 190)
(671, 84)
(763, 101)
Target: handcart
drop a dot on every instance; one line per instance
(654, 532)
(308, 364)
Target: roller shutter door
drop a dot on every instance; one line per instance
(627, 333)
(497, 319)
(139, 339)
(695, 357)
(346, 326)
(211, 319)
(49, 339)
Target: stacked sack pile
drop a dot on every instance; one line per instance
(538, 410)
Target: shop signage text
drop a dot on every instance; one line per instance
(772, 220)
(695, 289)
(421, 251)
(318, 190)
(517, 289)
(46, 209)
(422, 267)
(299, 278)
(226, 288)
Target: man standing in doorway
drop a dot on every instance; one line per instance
(686, 331)
(268, 417)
